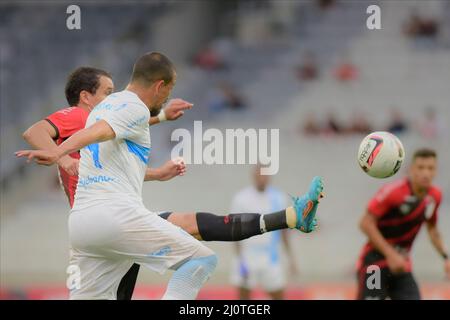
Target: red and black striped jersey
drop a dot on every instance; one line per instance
(66, 122)
(400, 214)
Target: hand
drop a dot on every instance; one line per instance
(69, 164)
(42, 157)
(175, 108)
(172, 168)
(396, 262)
(447, 268)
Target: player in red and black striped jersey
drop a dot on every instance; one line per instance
(85, 88)
(65, 123)
(392, 221)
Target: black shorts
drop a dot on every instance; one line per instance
(128, 282)
(401, 286)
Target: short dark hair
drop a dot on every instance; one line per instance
(83, 78)
(151, 67)
(424, 153)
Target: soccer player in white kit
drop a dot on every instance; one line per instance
(258, 259)
(109, 227)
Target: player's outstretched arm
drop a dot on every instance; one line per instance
(174, 110)
(41, 136)
(368, 225)
(98, 132)
(169, 170)
(436, 240)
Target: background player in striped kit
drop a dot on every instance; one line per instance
(392, 221)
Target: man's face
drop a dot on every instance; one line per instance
(105, 88)
(261, 181)
(422, 172)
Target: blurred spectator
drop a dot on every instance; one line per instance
(308, 69)
(422, 30)
(223, 47)
(325, 4)
(359, 125)
(429, 126)
(418, 26)
(210, 59)
(310, 126)
(346, 71)
(398, 124)
(224, 96)
(332, 125)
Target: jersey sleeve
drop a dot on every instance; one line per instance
(66, 122)
(435, 209)
(380, 204)
(128, 120)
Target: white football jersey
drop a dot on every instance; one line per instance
(116, 168)
(253, 201)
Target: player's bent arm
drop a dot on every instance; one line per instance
(40, 136)
(436, 239)
(174, 110)
(368, 225)
(98, 132)
(167, 171)
(152, 174)
(153, 120)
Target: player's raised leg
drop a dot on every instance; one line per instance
(235, 227)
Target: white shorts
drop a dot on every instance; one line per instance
(107, 239)
(259, 272)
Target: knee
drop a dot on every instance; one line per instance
(186, 221)
(212, 261)
(209, 264)
(200, 267)
(190, 224)
(207, 258)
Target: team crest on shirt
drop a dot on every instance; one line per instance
(408, 205)
(405, 209)
(430, 206)
(410, 202)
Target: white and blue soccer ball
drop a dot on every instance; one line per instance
(381, 154)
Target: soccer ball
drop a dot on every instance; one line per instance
(381, 154)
